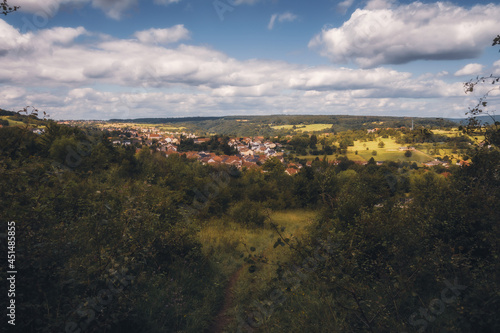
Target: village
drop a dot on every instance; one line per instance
(247, 152)
(252, 152)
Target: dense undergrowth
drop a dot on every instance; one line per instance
(114, 240)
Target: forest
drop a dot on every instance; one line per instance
(114, 239)
(262, 125)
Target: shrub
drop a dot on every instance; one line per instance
(248, 213)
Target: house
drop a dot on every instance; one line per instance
(233, 160)
(463, 163)
(262, 150)
(192, 155)
(249, 165)
(154, 137)
(201, 140)
(270, 144)
(171, 147)
(271, 152)
(171, 152)
(291, 171)
(433, 163)
(246, 152)
(296, 166)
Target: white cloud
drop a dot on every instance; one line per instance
(242, 2)
(163, 36)
(166, 2)
(470, 69)
(496, 68)
(343, 6)
(378, 35)
(285, 17)
(60, 70)
(113, 8)
(379, 4)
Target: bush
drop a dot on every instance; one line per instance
(248, 213)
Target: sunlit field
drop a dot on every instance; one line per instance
(304, 128)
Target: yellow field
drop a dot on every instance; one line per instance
(390, 152)
(161, 127)
(227, 243)
(12, 122)
(305, 128)
(452, 132)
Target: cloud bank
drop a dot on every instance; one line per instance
(75, 74)
(383, 33)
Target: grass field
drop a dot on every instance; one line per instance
(227, 243)
(12, 122)
(305, 128)
(161, 127)
(452, 132)
(227, 240)
(390, 152)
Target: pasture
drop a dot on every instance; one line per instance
(304, 128)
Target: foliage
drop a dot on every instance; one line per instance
(82, 215)
(474, 124)
(390, 267)
(7, 9)
(388, 240)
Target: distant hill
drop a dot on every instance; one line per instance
(163, 120)
(482, 119)
(263, 125)
(7, 113)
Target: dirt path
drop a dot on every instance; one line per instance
(223, 319)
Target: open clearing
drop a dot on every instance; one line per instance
(304, 128)
(227, 243)
(12, 122)
(161, 127)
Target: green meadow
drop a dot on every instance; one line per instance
(304, 128)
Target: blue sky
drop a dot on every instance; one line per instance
(101, 59)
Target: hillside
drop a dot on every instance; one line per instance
(273, 125)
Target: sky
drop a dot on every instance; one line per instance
(104, 59)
